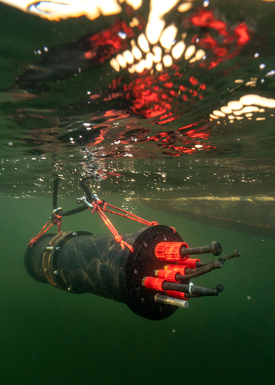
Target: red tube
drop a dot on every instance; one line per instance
(176, 294)
(190, 262)
(177, 268)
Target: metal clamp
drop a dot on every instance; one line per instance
(55, 212)
(190, 287)
(86, 202)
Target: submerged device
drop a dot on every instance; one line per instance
(150, 271)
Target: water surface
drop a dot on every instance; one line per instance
(190, 145)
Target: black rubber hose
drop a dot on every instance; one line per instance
(219, 288)
(236, 253)
(55, 190)
(192, 273)
(66, 213)
(183, 288)
(74, 211)
(86, 190)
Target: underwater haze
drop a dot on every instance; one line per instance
(166, 110)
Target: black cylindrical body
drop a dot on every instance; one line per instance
(81, 262)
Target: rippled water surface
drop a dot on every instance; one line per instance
(181, 122)
(195, 128)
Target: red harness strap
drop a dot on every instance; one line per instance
(98, 206)
(110, 226)
(56, 220)
(126, 214)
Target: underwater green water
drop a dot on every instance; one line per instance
(48, 336)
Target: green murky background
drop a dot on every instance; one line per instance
(48, 336)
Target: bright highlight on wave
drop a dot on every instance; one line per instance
(158, 46)
(156, 57)
(166, 49)
(62, 9)
(245, 106)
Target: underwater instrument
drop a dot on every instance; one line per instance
(150, 271)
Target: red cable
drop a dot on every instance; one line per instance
(127, 214)
(57, 220)
(140, 220)
(41, 232)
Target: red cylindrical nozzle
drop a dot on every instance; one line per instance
(153, 283)
(176, 294)
(170, 251)
(190, 262)
(169, 275)
(177, 268)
